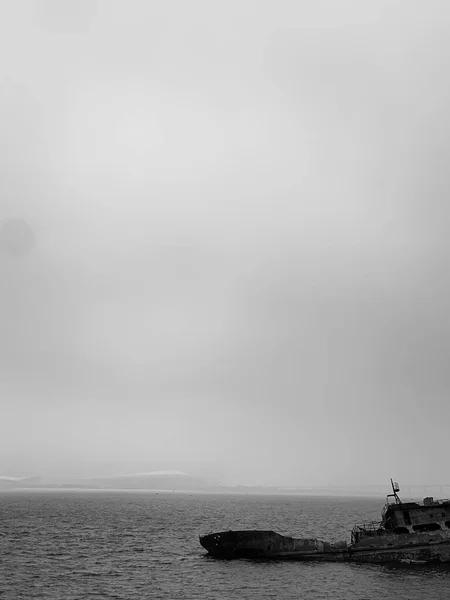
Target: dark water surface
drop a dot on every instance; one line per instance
(131, 545)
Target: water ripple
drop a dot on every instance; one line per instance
(141, 546)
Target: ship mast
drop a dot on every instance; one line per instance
(395, 489)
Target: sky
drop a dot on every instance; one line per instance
(241, 247)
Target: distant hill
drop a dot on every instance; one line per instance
(155, 480)
(10, 483)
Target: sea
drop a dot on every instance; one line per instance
(80, 545)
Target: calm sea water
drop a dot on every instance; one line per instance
(131, 545)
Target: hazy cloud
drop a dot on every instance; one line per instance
(241, 254)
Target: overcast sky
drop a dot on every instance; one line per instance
(241, 217)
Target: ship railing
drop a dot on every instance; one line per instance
(368, 525)
(367, 528)
(424, 502)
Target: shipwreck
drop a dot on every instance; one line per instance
(408, 532)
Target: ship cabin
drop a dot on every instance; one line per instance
(399, 517)
(416, 517)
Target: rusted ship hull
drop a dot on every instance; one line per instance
(268, 544)
(416, 548)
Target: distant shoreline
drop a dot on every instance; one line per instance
(205, 492)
